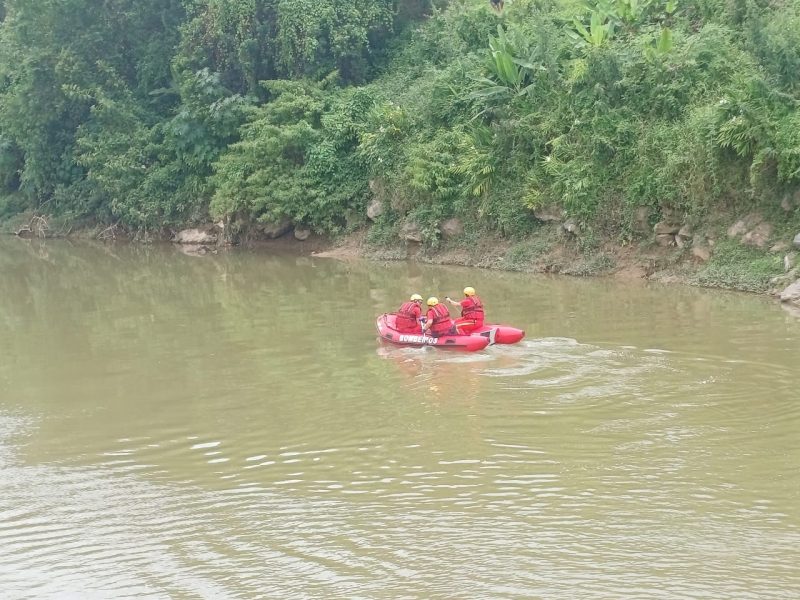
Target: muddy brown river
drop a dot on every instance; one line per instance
(228, 426)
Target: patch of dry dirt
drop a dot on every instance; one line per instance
(349, 248)
(288, 244)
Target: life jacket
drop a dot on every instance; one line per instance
(441, 319)
(473, 310)
(407, 316)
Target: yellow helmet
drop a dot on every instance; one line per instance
(415, 297)
(469, 291)
(433, 301)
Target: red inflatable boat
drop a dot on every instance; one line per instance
(469, 343)
(486, 335)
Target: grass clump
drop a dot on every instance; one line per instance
(523, 255)
(592, 264)
(382, 234)
(735, 266)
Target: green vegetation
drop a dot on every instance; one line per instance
(160, 113)
(738, 267)
(523, 255)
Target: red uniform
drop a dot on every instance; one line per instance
(471, 315)
(408, 318)
(439, 317)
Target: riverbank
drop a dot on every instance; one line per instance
(750, 254)
(716, 257)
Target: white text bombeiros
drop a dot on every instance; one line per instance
(417, 339)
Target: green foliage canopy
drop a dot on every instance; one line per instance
(159, 113)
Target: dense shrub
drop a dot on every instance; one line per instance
(256, 110)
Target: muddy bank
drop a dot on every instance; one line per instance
(750, 254)
(722, 262)
(719, 257)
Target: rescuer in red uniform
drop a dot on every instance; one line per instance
(408, 316)
(438, 318)
(471, 312)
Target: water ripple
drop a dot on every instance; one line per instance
(169, 440)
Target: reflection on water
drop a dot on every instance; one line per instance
(228, 426)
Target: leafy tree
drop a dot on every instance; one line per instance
(317, 36)
(296, 159)
(234, 38)
(159, 112)
(155, 172)
(58, 59)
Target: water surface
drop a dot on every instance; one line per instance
(228, 426)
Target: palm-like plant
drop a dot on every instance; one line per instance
(600, 30)
(510, 75)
